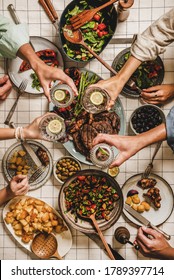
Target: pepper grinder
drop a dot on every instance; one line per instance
(122, 235)
(122, 9)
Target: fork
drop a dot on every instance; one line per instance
(80, 19)
(20, 91)
(150, 165)
(39, 171)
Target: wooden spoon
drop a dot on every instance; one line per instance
(92, 218)
(75, 37)
(45, 246)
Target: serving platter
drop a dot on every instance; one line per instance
(13, 65)
(9, 173)
(127, 91)
(64, 238)
(156, 216)
(118, 108)
(85, 225)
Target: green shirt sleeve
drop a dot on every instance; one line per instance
(12, 37)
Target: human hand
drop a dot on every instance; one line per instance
(127, 146)
(47, 74)
(156, 247)
(5, 87)
(32, 130)
(18, 186)
(113, 87)
(158, 94)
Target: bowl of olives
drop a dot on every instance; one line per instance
(145, 118)
(64, 167)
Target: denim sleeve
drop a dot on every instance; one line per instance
(12, 37)
(170, 128)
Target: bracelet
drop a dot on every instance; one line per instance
(17, 132)
(21, 133)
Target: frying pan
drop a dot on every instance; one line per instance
(84, 225)
(109, 14)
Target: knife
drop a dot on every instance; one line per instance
(121, 41)
(97, 240)
(16, 18)
(32, 154)
(28, 149)
(144, 221)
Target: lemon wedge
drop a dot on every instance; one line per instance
(59, 95)
(55, 126)
(97, 98)
(113, 172)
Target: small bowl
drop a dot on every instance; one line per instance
(62, 161)
(145, 118)
(67, 95)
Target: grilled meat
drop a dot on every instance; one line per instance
(88, 133)
(102, 127)
(146, 183)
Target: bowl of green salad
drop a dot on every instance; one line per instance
(96, 33)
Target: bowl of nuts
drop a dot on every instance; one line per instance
(64, 167)
(145, 118)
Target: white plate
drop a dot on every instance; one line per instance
(34, 145)
(64, 239)
(155, 216)
(13, 65)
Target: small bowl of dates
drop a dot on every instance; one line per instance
(145, 118)
(64, 167)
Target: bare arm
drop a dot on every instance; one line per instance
(115, 84)
(130, 145)
(46, 74)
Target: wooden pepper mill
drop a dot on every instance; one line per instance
(122, 235)
(122, 9)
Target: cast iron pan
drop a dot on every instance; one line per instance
(109, 14)
(84, 225)
(127, 91)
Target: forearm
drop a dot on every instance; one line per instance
(167, 254)
(5, 195)
(7, 133)
(128, 69)
(152, 136)
(27, 53)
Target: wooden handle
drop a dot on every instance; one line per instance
(105, 5)
(48, 12)
(52, 9)
(57, 256)
(99, 59)
(102, 238)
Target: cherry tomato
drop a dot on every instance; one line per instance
(81, 178)
(96, 17)
(101, 26)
